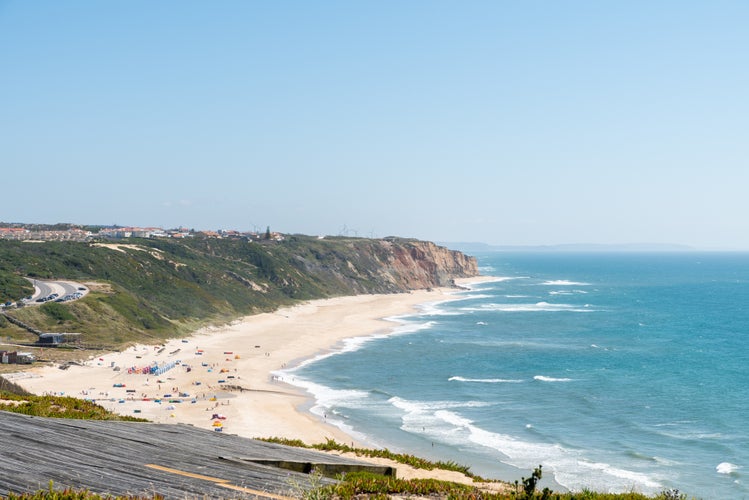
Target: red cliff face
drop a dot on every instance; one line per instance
(388, 265)
(422, 264)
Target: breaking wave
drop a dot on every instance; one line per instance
(542, 378)
(486, 380)
(564, 283)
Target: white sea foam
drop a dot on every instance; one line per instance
(419, 416)
(453, 418)
(570, 468)
(328, 397)
(524, 344)
(726, 468)
(628, 476)
(426, 406)
(474, 296)
(486, 380)
(537, 307)
(495, 279)
(542, 378)
(566, 292)
(481, 284)
(434, 309)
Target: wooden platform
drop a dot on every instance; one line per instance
(129, 458)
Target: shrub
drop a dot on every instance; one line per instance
(57, 312)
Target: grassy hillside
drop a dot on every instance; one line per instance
(150, 289)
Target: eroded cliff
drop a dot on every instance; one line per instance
(388, 265)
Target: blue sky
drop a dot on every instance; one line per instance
(518, 123)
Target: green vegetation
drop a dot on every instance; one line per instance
(413, 461)
(373, 486)
(14, 398)
(362, 484)
(6, 386)
(57, 312)
(146, 290)
(72, 494)
(57, 407)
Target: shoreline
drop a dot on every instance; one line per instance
(230, 370)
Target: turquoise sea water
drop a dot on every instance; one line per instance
(617, 372)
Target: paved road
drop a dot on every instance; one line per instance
(45, 288)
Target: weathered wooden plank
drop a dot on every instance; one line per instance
(121, 458)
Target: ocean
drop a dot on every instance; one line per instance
(615, 371)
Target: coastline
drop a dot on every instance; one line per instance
(229, 370)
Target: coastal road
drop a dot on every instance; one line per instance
(45, 288)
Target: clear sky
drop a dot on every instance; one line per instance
(525, 122)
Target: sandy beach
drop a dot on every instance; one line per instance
(222, 378)
(228, 371)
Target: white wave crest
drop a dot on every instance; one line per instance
(327, 397)
(542, 378)
(626, 475)
(726, 468)
(434, 309)
(425, 406)
(566, 292)
(486, 380)
(495, 279)
(441, 420)
(475, 296)
(453, 418)
(537, 307)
